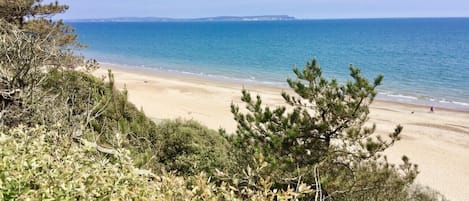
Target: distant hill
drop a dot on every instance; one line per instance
(206, 19)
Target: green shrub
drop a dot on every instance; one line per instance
(189, 148)
(40, 164)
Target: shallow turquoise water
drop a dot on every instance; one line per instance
(424, 61)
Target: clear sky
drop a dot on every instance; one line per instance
(84, 9)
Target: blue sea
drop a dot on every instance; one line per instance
(424, 61)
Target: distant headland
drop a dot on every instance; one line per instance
(205, 19)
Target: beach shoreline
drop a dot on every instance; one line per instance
(438, 142)
(385, 98)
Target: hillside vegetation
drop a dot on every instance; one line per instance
(67, 135)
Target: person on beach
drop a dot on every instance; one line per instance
(432, 109)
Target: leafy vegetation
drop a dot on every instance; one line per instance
(67, 135)
(40, 163)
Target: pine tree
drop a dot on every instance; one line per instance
(321, 138)
(19, 11)
(36, 18)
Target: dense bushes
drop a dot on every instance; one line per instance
(99, 107)
(185, 147)
(41, 164)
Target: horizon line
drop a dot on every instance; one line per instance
(294, 18)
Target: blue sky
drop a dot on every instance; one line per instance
(82, 9)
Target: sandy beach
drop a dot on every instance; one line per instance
(438, 142)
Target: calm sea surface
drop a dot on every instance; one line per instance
(424, 61)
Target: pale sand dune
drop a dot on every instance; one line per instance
(438, 142)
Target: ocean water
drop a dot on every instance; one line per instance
(424, 61)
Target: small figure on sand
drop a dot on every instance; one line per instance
(432, 109)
